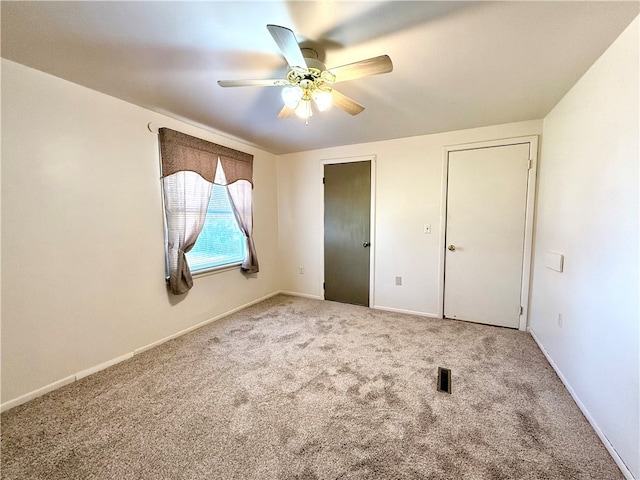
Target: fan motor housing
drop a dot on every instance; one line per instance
(315, 63)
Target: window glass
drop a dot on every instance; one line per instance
(221, 242)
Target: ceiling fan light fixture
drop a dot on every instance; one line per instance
(291, 95)
(304, 87)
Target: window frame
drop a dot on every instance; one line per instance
(225, 266)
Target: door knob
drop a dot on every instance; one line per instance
(451, 248)
(366, 244)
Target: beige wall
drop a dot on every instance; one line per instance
(409, 175)
(82, 233)
(588, 211)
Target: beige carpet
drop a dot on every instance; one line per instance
(294, 388)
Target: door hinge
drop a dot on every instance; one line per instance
(529, 164)
(323, 180)
(521, 310)
(324, 286)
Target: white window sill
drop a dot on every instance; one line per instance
(215, 270)
(212, 271)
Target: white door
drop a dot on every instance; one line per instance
(485, 232)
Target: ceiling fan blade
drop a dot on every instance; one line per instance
(286, 41)
(286, 112)
(363, 68)
(252, 83)
(345, 103)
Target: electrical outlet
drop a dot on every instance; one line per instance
(301, 270)
(560, 320)
(398, 280)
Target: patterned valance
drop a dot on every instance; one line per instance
(182, 152)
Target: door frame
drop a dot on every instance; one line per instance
(532, 140)
(372, 215)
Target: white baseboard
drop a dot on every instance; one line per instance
(409, 312)
(37, 393)
(201, 324)
(375, 307)
(96, 368)
(607, 444)
(304, 295)
(102, 366)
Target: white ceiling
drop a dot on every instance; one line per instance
(456, 64)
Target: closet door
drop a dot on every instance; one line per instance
(485, 234)
(347, 220)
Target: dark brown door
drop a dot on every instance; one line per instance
(347, 212)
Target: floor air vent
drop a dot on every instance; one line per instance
(444, 380)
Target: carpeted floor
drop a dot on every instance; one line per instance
(294, 388)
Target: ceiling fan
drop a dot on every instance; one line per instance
(309, 82)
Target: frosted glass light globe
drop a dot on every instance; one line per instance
(304, 109)
(291, 95)
(323, 99)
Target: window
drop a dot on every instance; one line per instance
(207, 189)
(220, 242)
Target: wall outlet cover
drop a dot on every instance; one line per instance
(554, 261)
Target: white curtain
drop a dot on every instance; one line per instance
(186, 198)
(241, 201)
(240, 193)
